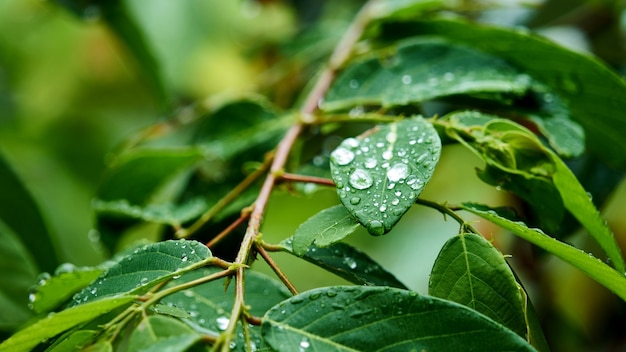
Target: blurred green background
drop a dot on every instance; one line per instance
(71, 93)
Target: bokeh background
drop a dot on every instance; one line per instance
(71, 93)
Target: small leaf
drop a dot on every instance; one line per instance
(52, 292)
(470, 271)
(166, 213)
(361, 318)
(209, 306)
(325, 228)
(169, 310)
(145, 267)
(380, 174)
(349, 263)
(595, 268)
(55, 324)
(421, 70)
(161, 333)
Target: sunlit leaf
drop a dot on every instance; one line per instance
(595, 268)
(380, 173)
(470, 271)
(349, 263)
(55, 324)
(161, 333)
(361, 318)
(324, 228)
(421, 70)
(145, 267)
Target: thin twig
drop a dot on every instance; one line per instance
(306, 179)
(448, 211)
(245, 214)
(268, 259)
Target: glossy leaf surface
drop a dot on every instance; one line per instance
(595, 268)
(380, 174)
(145, 267)
(422, 70)
(360, 318)
(57, 323)
(160, 333)
(470, 271)
(324, 228)
(592, 92)
(349, 263)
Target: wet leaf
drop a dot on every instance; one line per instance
(470, 271)
(161, 333)
(209, 305)
(349, 263)
(145, 267)
(324, 228)
(361, 318)
(380, 174)
(593, 267)
(421, 70)
(55, 324)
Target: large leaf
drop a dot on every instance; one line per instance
(145, 267)
(420, 70)
(19, 212)
(324, 228)
(55, 324)
(470, 271)
(357, 318)
(593, 267)
(349, 263)
(209, 305)
(592, 92)
(161, 333)
(380, 174)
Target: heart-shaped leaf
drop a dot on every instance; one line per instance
(380, 173)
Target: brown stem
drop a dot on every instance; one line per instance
(306, 179)
(268, 259)
(245, 214)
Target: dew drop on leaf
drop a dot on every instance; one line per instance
(370, 163)
(375, 227)
(222, 323)
(355, 200)
(398, 172)
(342, 156)
(361, 179)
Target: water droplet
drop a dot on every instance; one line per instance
(351, 263)
(355, 200)
(391, 137)
(371, 163)
(361, 179)
(375, 227)
(304, 344)
(143, 281)
(331, 293)
(387, 154)
(396, 201)
(350, 142)
(391, 185)
(32, 297)
(94, 291)
(184, 258)
(342, 156)
(356, 111)
(382, 208)
(448, 76)
(354, 84)
(43, 278)
(222, 323)
(406, 79)
(398, 172)
(380, 144)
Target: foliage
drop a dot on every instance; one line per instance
(181, 205)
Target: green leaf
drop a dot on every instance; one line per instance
(324, 228)
(592, 92)
(421, 70)
(593, 267)
(380, 174)
(146, 267)
(55, 324)
(361, 318)
(349, 263)
(20, 213)
(74, 342)
(19, 274)
(470, 271)
(161, 333)
(167, 213)
(52, 292)
(404, 8)
(209, 305)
